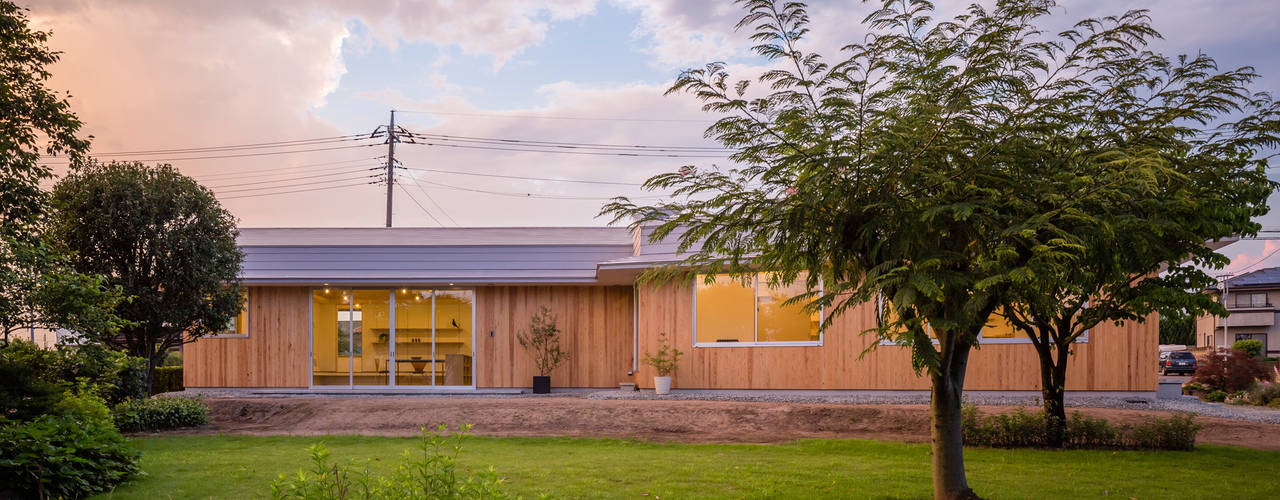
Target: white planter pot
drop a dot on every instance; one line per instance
(661, 385)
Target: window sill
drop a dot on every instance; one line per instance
(798, 343)
(227, 336)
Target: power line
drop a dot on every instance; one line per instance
(294, 191)
(433, 201)
(267, 172)
(300, 184)
(519, 177)
(232, 147)
(548, 117)
(527, 195)
(415, 202)
(1259, 261)
(268, 153)
(588, 153)
(289, 179)
(537, 143)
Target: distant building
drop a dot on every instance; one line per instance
(1251, 300)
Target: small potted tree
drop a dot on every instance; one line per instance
(664, 362)
(542, 342)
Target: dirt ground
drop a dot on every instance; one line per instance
(683, 421)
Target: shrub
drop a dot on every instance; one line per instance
(159, 413)
(666, 360)
(430, 472)
(174, 358)
(1251, 346)
(1265, 394)
(1229, 371)
(1023, 429)
(166, 379)
(1215, 397)
(35, 379)
(74, 452)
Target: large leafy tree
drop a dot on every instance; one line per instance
(923, 167)
(161, 237)
(37, 288)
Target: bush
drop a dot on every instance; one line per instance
(1251, 346)
(1023, 429)
(1229, 371)
(431, 472)
(1265, 394)
(166, 379)
(1215, 397)
(174, 358)
(159, 413)
(35, 379)
(73, 452)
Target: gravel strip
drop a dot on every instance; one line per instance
(1188, 404)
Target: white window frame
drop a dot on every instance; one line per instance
(1019, 339)
(755, 323)
(232, 335)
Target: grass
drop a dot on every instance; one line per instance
(244, 466)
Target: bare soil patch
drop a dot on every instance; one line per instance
(682, 421)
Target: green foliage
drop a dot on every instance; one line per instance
(163, 239)
(1215, 396)
(1178, 330)
(1265, 394)
(1251, 347)
(430, 471)
(1026, 429)
(74, 452)
(174, 358)
(667, 358)
(1229, 371)
(166, 379)
(36, 379)
(542, 342)
(159, 413)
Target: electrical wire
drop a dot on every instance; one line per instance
(587, 153)
(415, 202)
(267, 172)
(527, 195)
(547, 117)
(294, 191)
(1259, 261)
(266, 153)
(433, 200)
(519, 177)
(290, 179)
(537, 143)
(300, 184)
(236, 147)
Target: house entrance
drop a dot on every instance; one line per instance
(397, 337)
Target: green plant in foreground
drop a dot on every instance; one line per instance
(430, 470)
(666, 360)
(1023, 429)
(159, 413)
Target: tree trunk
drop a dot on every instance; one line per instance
(946, 431)
(1053, 376)
(151, 370)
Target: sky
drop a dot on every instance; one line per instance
(149, 75)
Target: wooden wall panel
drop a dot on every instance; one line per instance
(595, 324)
(275, 354)
(1116, 358)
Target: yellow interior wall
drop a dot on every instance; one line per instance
(725, 310)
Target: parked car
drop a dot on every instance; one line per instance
(1177, 362)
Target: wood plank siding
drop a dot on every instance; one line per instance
(1116, 358)
(275, 354)
(595, 323)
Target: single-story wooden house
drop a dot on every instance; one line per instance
(439, 308)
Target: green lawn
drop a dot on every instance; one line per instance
(242, 467)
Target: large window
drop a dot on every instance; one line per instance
(730, 312)
(998, 329)
(1250, 299)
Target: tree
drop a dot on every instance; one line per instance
(163, 239)
(1178, 329)
(1196, 134)
(922, 168)
(37, 288)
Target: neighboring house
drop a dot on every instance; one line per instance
(424, 308)
(1251, 301)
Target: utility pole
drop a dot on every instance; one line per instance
(391, 162)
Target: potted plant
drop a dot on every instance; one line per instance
(542, 342)
(664, 362)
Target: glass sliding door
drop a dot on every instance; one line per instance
(391, 337)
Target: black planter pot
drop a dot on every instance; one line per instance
(541, 385)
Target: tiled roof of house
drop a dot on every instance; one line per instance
(1269, 277)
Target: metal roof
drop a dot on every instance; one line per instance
(433, 236)
(478, 255)
(1262, 278)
